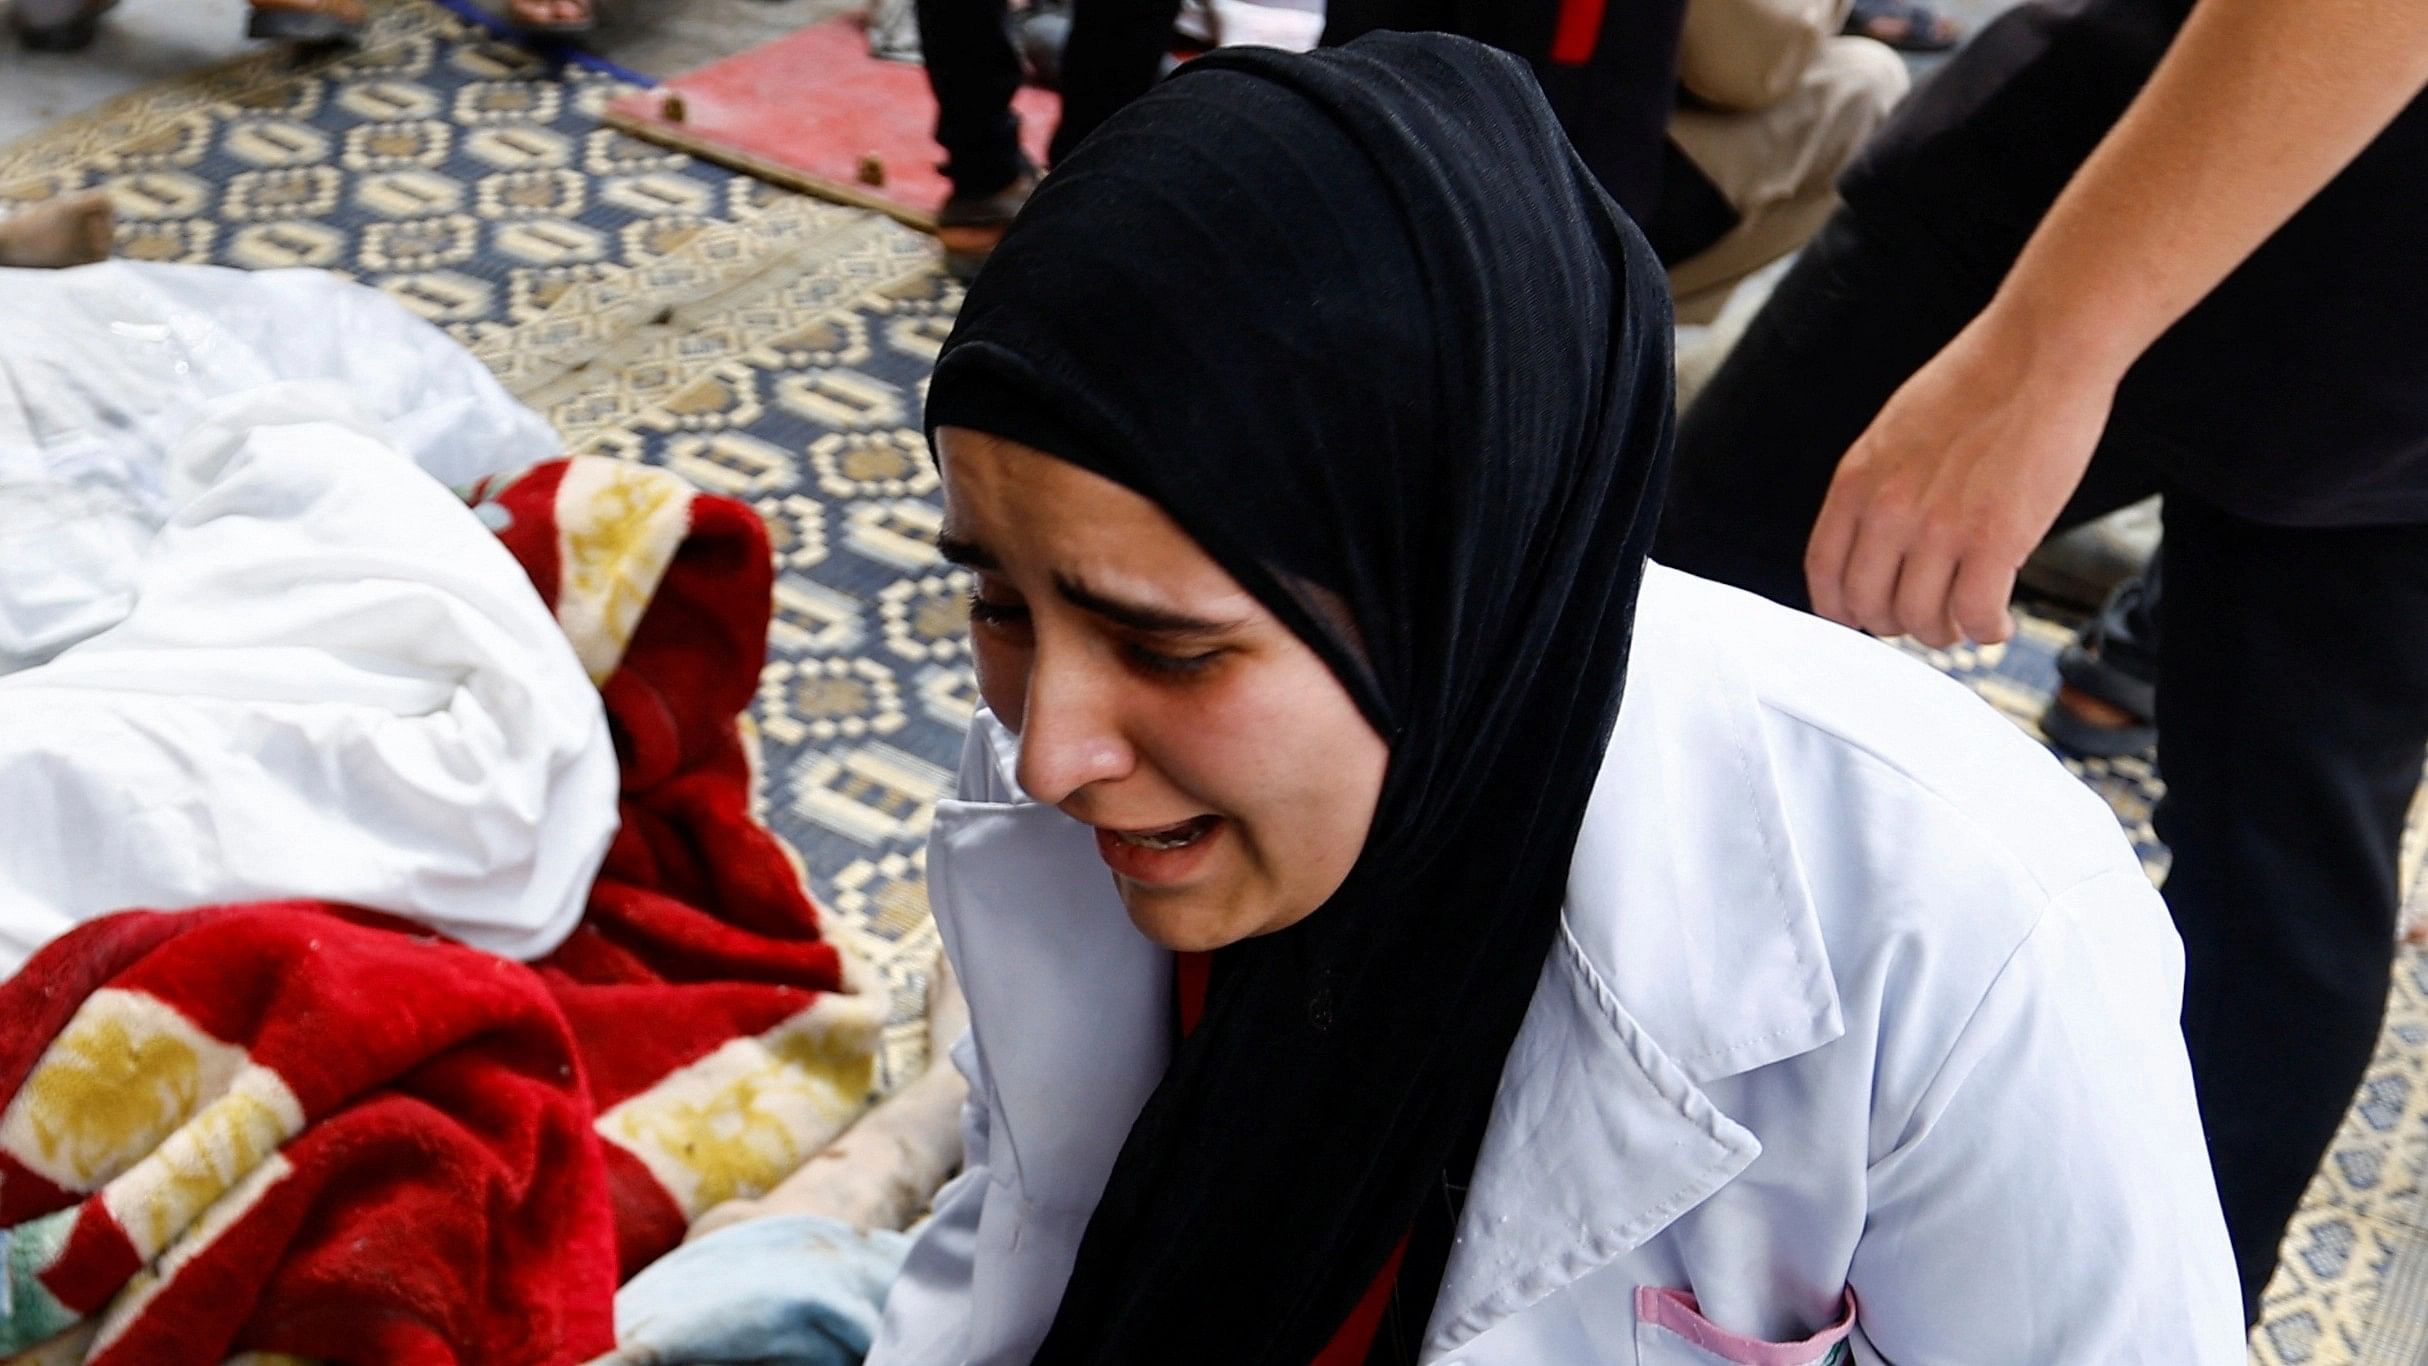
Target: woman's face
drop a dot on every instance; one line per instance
(1228, 775)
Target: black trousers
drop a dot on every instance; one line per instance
(1116, 49)
(2292, 698)
(1615, 106)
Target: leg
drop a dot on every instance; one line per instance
(1116, 53)
(974, 71)
(2293, 712)
(1613, 99)
(1778, 166)
(1859, 312)
(1616, 100)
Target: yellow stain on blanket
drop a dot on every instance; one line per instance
(126, 1073)
(737, 1122)
(618, 527)
(737, 1141)
(227, 1141)
(136, 1297)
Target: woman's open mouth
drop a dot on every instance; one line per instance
(1160, 856)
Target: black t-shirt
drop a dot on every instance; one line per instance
(2297, 392)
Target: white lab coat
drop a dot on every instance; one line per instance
(1861, 1004)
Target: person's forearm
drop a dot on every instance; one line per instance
(2255, 108)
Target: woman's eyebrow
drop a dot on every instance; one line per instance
(1161, 621)
(1138, 616)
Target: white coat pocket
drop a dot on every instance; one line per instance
(1671, 1331)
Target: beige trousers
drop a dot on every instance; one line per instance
(1778, 166)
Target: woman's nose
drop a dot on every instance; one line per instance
(1070, 733)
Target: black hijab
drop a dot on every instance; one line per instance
(1363, 324)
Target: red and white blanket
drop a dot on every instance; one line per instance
(301, 1129)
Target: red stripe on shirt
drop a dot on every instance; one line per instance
(1580, 31)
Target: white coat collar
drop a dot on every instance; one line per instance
(1686, 894)
(1079, 1002)
(1689, 951)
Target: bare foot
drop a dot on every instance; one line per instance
(549, 13)
(1905, 25)
(72, 231)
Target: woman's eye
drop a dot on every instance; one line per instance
(997, 614)
(1160, 662)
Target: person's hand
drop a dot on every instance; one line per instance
(1936, 505)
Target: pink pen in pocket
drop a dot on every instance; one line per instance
(1671, 1331)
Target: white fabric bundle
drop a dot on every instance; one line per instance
(249, 647)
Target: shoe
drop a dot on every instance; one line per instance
(969, 227)
(48, 26)
(2107, 700)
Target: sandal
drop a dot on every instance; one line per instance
(2108, 701)
(1905, 25)
(308, 21)
(558, 25)
(970, 226)
(48, 26)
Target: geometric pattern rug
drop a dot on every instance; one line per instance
(775, 348)
(430, 164)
